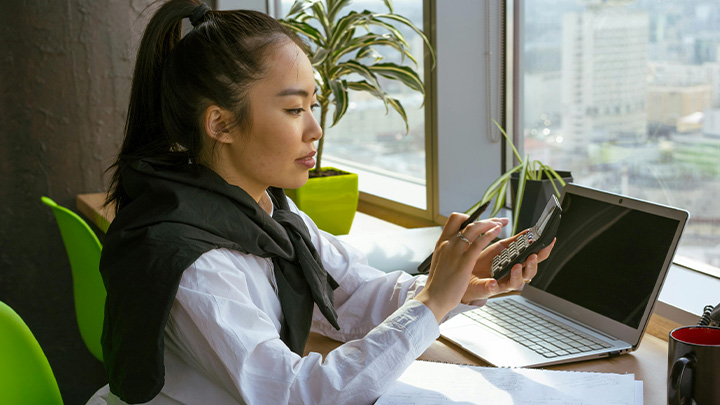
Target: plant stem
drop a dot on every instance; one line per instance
(324, 107)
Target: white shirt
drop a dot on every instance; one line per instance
(222, 343)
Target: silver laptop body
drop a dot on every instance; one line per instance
(602, 279)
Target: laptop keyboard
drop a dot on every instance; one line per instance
(534, 330)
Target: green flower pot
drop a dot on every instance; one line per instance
(330, 201)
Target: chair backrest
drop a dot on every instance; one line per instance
(83, 249)
(25, 374)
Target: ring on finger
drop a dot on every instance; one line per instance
(527, 281)
(463, 238)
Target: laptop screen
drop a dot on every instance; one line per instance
(617, 250)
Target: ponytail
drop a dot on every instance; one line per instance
(176, 78)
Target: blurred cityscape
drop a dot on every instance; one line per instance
(626, 95)
(623, 93)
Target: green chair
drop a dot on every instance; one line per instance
(83, 249)
(25, 374)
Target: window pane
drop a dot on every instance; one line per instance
(389, 162)
(626, 95)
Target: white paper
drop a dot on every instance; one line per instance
(439, 383)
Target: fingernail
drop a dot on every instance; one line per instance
(493, 285)
(516, 271)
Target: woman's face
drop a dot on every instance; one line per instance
(277, 150)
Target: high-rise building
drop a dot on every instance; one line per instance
(604, 84)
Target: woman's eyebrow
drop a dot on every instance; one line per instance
(295, 92)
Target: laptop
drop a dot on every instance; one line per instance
(592, 297)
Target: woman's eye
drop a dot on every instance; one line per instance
(295, 111)
(298, 111)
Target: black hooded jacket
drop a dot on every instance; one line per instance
(175, 214)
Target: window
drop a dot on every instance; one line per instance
(391, 164)
(626, 95)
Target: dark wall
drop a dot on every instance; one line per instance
(65, 69)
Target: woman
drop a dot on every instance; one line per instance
(215, 278)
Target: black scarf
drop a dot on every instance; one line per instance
(173, 217)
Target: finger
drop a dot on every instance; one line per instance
(530, 269)
(481, 288)
(496, 248)
(452, 226)
(545, 252)
(501, 221)
(475, 232)
(515, 279)
(507, 241)
(481, 240)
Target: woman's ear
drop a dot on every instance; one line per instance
(217, 123)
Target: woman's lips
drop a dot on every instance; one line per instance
(307, 160)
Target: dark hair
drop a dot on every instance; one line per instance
(176, 79)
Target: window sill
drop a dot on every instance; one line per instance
(685, 293)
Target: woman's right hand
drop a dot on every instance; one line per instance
(453, 262)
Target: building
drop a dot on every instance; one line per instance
(604, 84)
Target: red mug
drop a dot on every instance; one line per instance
(694, 365)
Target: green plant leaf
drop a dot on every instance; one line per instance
(304, 17)
(389, 5)
(529, 172)
(344, 25)
(354, 67)
(334, 7)
(366, 87)
(307, 30)
(412, 26)
(552, 182)
(340, 95)
(550, 173)
(373, 20)
(500, 198)
(319, 57)
(300, 6)
(509, 141)
(368, 40)
(404, 74)
(395, 103)
(320, 14)
(368, 52)
(492, 189)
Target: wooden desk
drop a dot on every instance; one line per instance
(91, 205)
(648, 363)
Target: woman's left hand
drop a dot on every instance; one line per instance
(483, 286)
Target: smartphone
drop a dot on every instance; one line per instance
(530, 242)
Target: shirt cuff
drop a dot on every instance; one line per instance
(419, 323)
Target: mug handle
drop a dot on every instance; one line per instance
(675, 394)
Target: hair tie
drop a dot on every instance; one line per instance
(198, 15)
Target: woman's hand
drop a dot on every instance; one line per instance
(482, 286)
(454, 261)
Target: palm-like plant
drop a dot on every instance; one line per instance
(342, 46)
(527, 170)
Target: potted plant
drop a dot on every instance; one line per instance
(531, 183)
(344, 52)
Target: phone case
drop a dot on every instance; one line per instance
(530, 242)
